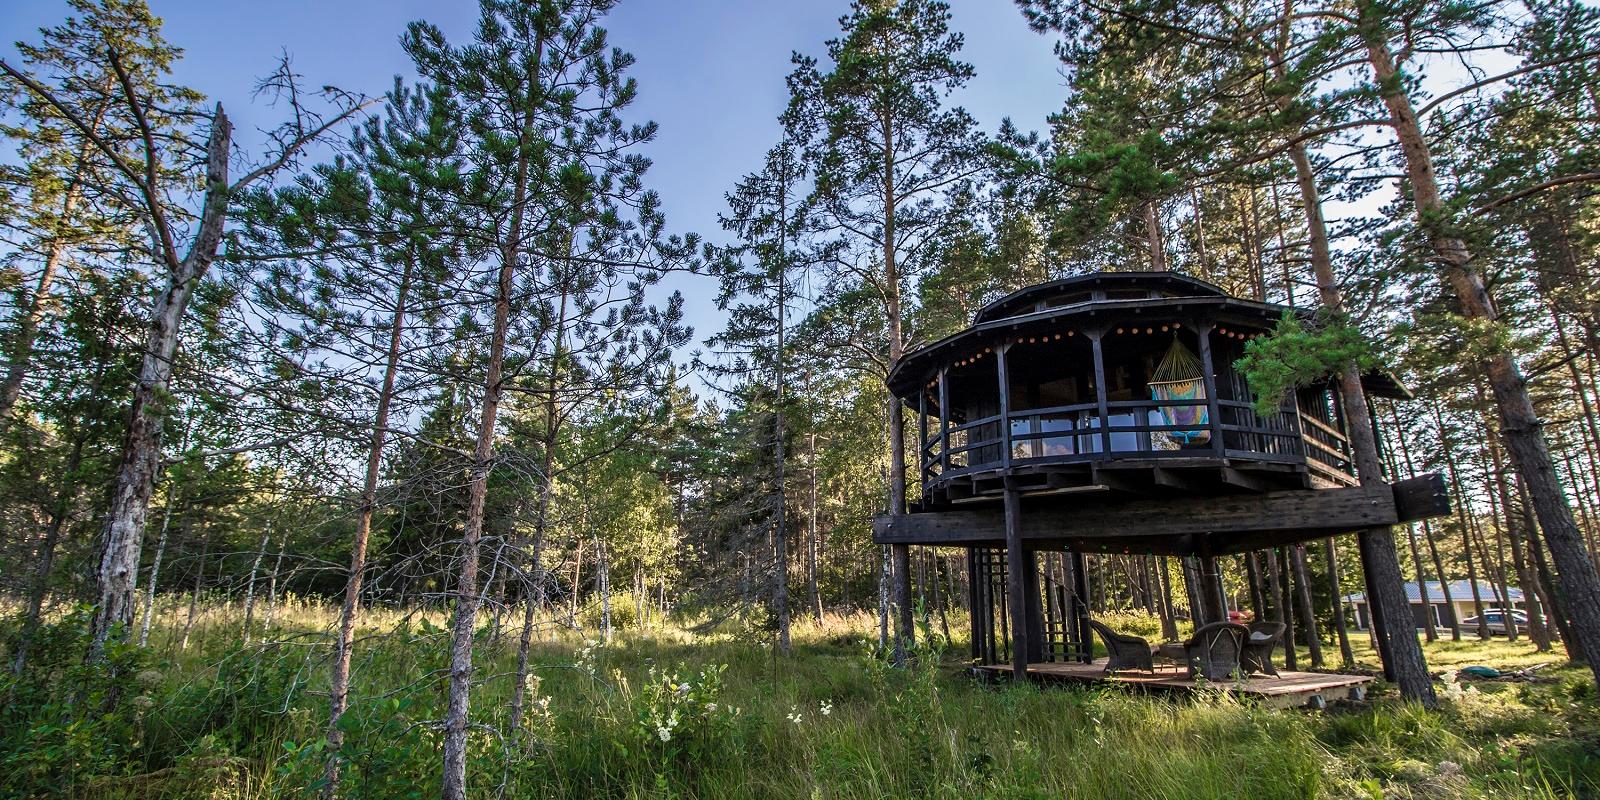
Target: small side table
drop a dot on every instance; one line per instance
(1174, 653)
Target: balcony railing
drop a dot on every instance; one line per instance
(1134, 429)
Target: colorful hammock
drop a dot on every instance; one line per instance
(1179, 377)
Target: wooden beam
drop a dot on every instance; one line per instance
(1421, 497)
(1177, 479)
(1306, 513)
(1243, 480)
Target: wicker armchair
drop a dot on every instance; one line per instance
(1263, 639)
(1215, 650)
(1124, 651)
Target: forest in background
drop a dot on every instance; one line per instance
(413, 356)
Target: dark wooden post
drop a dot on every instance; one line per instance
(1209, 381)
(1005, 405)
(972, 603)
(1016, 590)
(944, 421)
(1100, 388)
(922, 441)
(1212, 606)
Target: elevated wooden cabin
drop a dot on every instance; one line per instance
(1103, 413)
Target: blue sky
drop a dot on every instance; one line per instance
(710, 73)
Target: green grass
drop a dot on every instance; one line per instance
(827, 721)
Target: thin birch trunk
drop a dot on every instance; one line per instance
(155, 568)
(194, 596)
(272, 582)
(250, 589)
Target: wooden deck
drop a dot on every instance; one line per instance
(1288, 690)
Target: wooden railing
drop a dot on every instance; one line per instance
(1135, 429)
(1328, 448)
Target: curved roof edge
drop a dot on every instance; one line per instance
(1198, 287)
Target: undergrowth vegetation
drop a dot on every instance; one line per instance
(708, 711)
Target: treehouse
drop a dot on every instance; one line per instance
(1104, 414)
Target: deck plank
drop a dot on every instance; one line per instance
(1287, 690)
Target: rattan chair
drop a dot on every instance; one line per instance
(1215, 650)
(1124, 651)
(1264, 637)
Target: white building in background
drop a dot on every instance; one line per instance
(1443, 614)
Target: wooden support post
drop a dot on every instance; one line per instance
(944, 421)
(1100, 390)
(1212, 607)
(1077, 586)
(1209, 381)
(1005, 406)
(923, 462)
(972, 603)
(1016, 564)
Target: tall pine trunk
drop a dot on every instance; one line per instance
(534, 600)
(1521, 428)
(1385, 588)
(458, 709)
(339, 684)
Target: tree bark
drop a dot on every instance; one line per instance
(780, 532)
(155, 569)
(250, 589)
(339, 684)
(454, 785)
(140, 462)
(1308, 614)
(29, 320)
(1153, 240)
(199, 582)
(1461, 519)
(272, 582)
(1521, 428)
(811, 539)
(1283, 598)
(1347, 656)
(1385, 587)
(535, 599)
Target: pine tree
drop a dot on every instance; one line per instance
(550, 170)
(758, 277)
(142, 170)
(889, 150)
(371, 240)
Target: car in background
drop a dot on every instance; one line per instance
(1495, 618)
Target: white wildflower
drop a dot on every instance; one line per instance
(711, 707)
(826, 708)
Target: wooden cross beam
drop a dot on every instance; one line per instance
(1215, 525)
